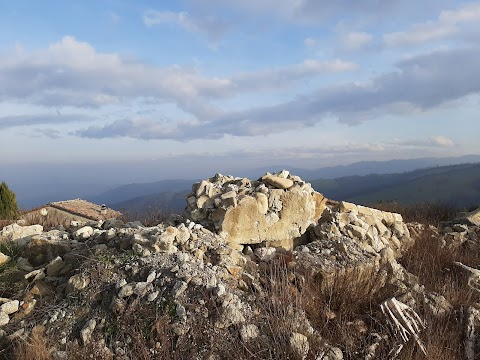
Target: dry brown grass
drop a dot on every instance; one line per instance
(149, 217)
(342, 306)
(36, 346)
(434, 266)
(424, 213)
(49, 221)
(443, 339)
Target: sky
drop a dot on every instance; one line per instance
(223, 84)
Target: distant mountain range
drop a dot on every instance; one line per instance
(458, 185)
(371, 167)
(166, 193)
(122, 194)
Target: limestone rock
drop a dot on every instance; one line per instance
(278, 182)
(83, 233)
(4, 258)
(330, 353)
(249, 332)
(77, 282)
(373, 229)
(87, 331)
(4, 319)
(42, 249)
(9, 307)
(299, 345)
(20, 234)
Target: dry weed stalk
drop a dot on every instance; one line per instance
(404, 321)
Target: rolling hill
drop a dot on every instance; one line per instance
(458, 185)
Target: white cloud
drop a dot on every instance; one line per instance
(431, 142)
(355, 40)
(210, 26)
(420, 83)
(41, 119)
(447, 24)
(443, 141)
(283, 76)
(307, 11)
(310, 42)
(73, 73)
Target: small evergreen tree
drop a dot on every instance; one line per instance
(8, 203)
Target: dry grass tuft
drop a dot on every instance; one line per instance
(49, 221)
(36, 346)
(424, 213)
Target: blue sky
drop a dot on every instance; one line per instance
(237, 84)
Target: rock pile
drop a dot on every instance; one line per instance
(276, 209)
(373, 230)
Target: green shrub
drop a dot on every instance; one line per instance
(8, 203)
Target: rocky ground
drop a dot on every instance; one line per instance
(264, 269)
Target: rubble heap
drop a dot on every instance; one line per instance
(373, 230)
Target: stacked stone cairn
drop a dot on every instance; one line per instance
(274, 210)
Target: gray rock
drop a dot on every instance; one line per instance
(181, 311)
(24, 264)
(179, 288)
(141, 288)
(54, 267)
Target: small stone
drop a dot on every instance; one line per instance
(141, 288)
(153, 296)
(348, 207)
(4, 258)
(265, 253)
(262, 203)
(83, 233)
(181, 311)
(249, 332)
(125, 291)
(77, 282)
(38, 274)
(220, 290)
(86, 333)
(10, 307)
(120, 283)
(151, 276)
(179, 288)
(299, 345)
(60, 355)
(54, 267)
(4, 319)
